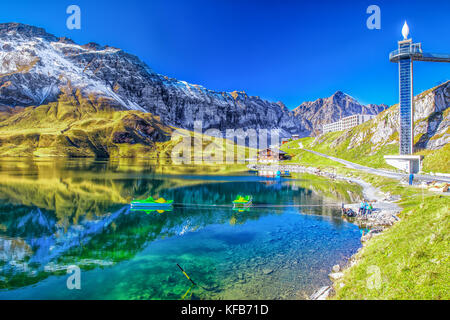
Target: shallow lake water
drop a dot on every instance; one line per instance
(59, 213)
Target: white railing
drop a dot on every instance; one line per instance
(415, 48)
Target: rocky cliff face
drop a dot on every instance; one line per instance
(35, 66)
(433, 118)
(313, 115)
(431, 122)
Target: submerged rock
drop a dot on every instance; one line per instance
(322, 294)
(267, 271)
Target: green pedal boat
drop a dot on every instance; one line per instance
(242, 202)
(151, 203)
(152, 210)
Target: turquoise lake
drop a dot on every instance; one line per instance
(58, 213)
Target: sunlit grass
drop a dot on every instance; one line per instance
(412, 256)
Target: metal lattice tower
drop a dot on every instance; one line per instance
(405, 55)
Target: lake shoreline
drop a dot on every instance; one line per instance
(385, 214)
(56, 205)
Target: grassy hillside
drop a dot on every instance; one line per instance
(409, 260)
(336, 144)
(339, 144)
(78, 127)
(368, 143)
(75, 126)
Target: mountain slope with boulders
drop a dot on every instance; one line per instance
(35, 66)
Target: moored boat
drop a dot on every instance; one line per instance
(242, 202)
(151, 203)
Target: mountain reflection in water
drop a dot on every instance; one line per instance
(54, 214)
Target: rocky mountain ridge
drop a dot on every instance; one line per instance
(35, 66)
(340, 105)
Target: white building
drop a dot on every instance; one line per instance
(347, 122)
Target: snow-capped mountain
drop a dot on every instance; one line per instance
(35, 66)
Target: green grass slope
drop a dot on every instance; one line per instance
(368, 143)
(76, 126)
(410, 260)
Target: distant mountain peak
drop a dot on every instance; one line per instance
(339, 93)
(25, 30)
(327, 110)
(92, 46)
(66, 40)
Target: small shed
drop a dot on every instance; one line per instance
(272, 154)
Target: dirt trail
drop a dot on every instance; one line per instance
(384, 173)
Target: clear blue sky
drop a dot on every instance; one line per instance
(292, 51)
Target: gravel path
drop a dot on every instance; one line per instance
(384, 173)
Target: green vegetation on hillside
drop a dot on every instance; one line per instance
(76, 126)
(407, 261)
(300, 156)
(410, 260)
(436, 160)
(369, 142)
(337, 144)
(327, 144)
